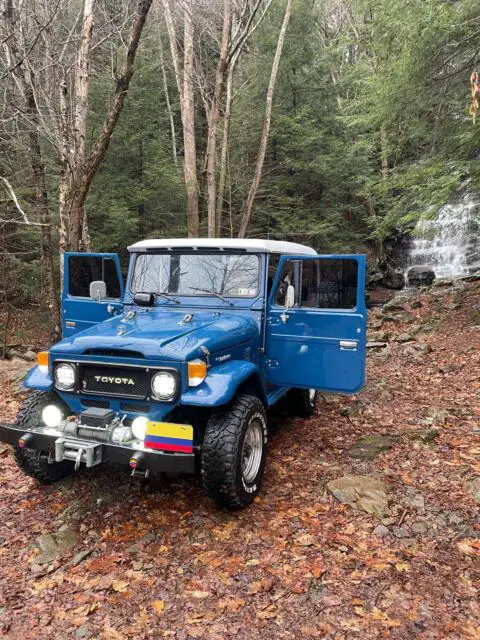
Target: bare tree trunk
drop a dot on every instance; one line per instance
(82, 83)
(168, 104)
(266, 124)
(172, 36)
(224, 153)
(49, 292)
(188, 117)
(72, 202)
(78, 171)
(214, 116)
(184, 78)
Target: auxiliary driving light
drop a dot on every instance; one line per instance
(52, 416)
(139, 427)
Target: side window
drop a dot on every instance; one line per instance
(273, 260)
(326, 283)
(290, 276)
(83, 270)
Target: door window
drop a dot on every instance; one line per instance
(327, 283)
(273, 260)
(82, 270)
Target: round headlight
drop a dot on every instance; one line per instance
(65, 376)
(164, 385)
(52, 415)
(139, 427)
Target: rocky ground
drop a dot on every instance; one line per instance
(368, 525)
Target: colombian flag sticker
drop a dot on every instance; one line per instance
(165, 436)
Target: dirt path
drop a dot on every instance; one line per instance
(161, 561)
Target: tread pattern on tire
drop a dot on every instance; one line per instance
(220, 453)
(29, 460)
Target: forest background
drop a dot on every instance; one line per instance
(333, 123)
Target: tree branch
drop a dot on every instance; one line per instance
(123, 81)
(19, 208)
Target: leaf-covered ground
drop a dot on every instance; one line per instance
(161, 561)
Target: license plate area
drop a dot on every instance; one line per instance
(169, 437)
(87, 452)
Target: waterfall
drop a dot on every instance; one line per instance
(449, 244)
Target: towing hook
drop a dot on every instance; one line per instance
(78, 459)
(25, 441)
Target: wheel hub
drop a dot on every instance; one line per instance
(252, 451)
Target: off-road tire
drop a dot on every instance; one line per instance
(300, 403)
(32, 462)
(222, 453)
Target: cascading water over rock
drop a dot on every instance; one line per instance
(449, 244)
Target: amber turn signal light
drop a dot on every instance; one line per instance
(42, 358)
(197, 372)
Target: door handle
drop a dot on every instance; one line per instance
(348, 345)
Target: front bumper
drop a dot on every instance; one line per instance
(159, 461)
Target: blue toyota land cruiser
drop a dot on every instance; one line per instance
(175, 371)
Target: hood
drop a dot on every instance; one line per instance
(162, 334)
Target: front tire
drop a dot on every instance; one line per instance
(234, 452)
(35, 463)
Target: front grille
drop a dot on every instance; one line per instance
(98, 404)
(127, 382)
(139, 407)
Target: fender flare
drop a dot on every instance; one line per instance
(221, 385)
(38, 380)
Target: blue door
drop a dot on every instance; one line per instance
(317, 323)
(79, 310)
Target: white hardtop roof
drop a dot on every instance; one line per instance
(224, 244)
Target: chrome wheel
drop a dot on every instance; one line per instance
(311, 395)
(252, 451)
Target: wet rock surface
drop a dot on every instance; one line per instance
(361, 492)
(369, 447)
(52, 546)
(420, 276)
(12, 372)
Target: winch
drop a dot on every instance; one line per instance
(99, 424)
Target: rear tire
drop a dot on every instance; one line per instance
(234, 452)
(301, 402)
(32, 462)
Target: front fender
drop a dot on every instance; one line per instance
(38, 380)
(220, 385)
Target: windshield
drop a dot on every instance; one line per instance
(227, 274)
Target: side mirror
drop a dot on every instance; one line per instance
(289, 302)
(98, 290)
(290, 297)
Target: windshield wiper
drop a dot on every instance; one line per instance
(168, 296)
(213, 293)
